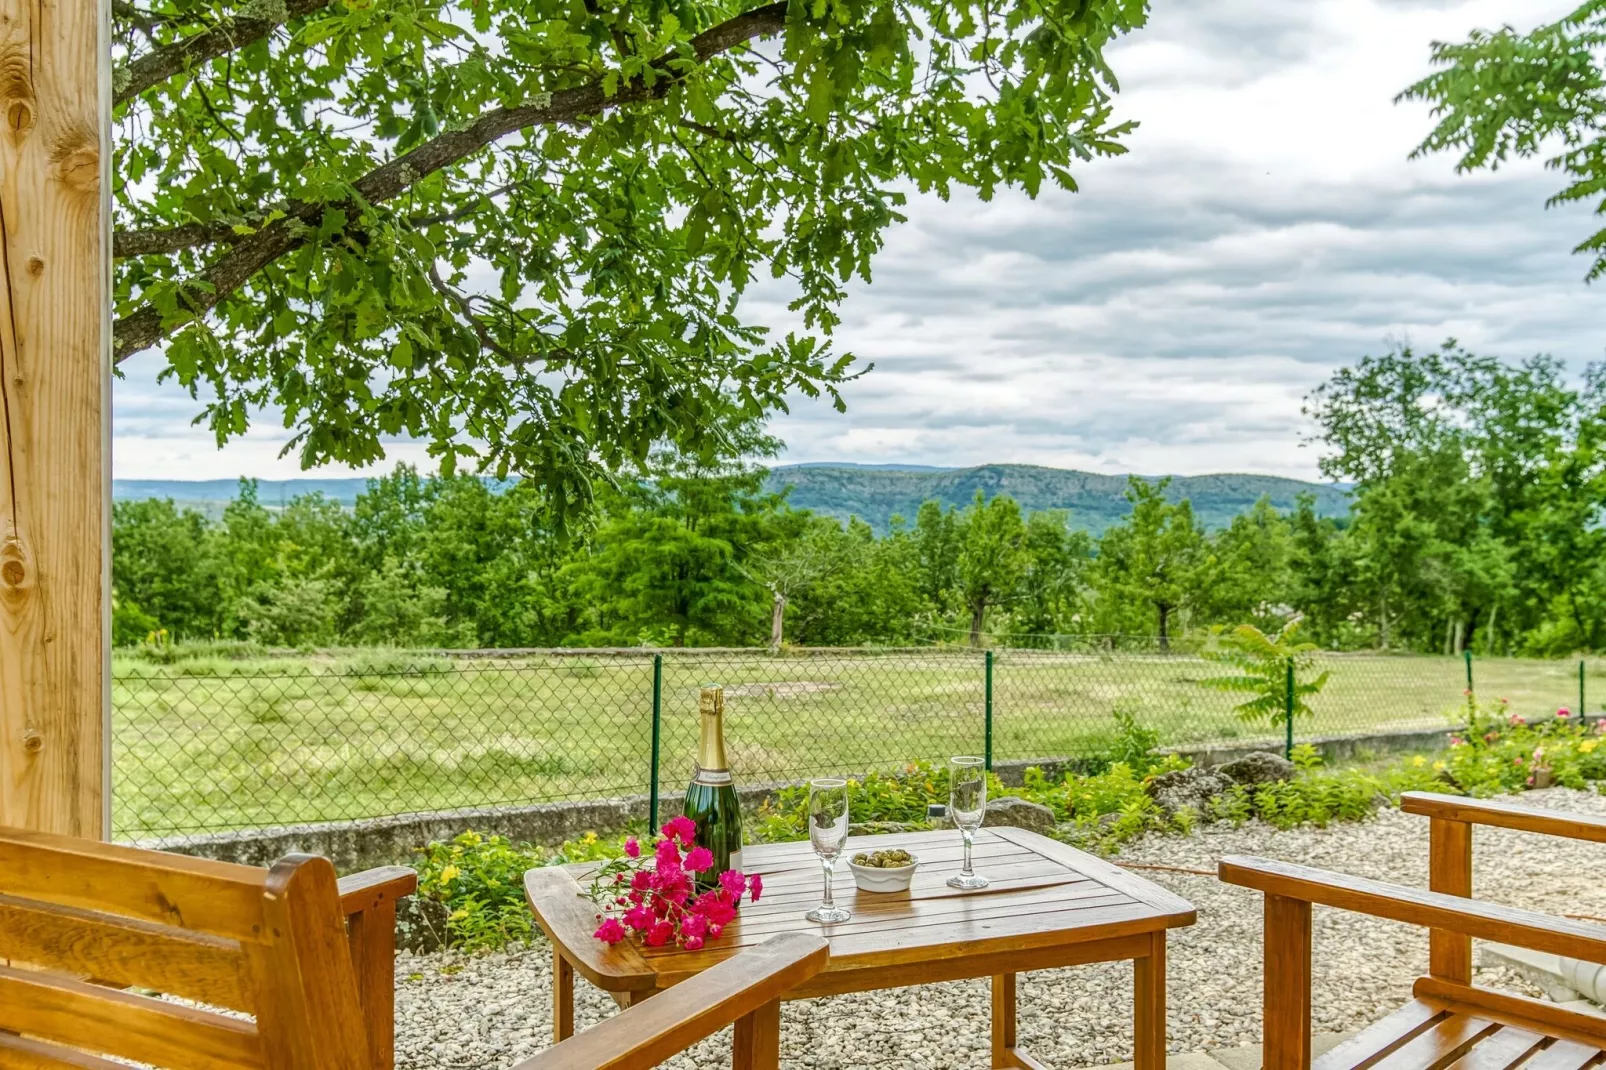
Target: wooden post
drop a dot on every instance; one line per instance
(1450, 871)
(55, 384)
(1287, 980)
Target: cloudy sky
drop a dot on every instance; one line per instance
(1265, 228)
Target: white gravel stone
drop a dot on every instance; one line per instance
(490, 1011)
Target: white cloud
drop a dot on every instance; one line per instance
(1265, 229)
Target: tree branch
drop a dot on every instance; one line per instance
(175, 239)
(159, 65)
(143, 328)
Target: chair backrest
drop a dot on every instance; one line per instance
(90, 933)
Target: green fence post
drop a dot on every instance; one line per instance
(657, 732)
(989, 714)
(1580, 690)
(1288, 713)
(1468, 653)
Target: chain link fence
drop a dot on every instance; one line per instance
(211, 744)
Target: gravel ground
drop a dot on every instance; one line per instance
(490, 1011)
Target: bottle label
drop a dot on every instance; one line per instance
(717, 778)
(736, 860)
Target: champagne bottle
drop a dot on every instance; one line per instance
(711, 796)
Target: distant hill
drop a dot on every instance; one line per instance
(874, 493)
(1094, 501)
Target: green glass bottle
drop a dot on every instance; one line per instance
(711, 796)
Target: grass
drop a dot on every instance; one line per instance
(214, 743)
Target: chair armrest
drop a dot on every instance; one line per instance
(366, 890)
(1417, 906)
(1505, 815)
(650, 1032)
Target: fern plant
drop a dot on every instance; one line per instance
(1262, 662)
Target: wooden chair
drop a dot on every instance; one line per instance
(89, 932)
(1451, 1024)
(745, 989)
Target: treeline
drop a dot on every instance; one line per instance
(1476, 522)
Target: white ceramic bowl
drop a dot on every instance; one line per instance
(876, 879)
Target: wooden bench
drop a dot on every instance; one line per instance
(1451, 1024)
(90, 933)
(745, 989)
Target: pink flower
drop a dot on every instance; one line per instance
(694, 925)
(640, 918)
(683, 829)
(694, 943)
(1564, 712)
(1530, 782)
(1517, 760)
(667, 853)
(641, 880)
(1515, 719)
(755, 886)
(610, 931)
(1456, 741)
(733, 883)
(632, 848)
(659, 935)
(714, 931)
(720, 913)
(698, 859)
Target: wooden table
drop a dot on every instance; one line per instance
(1049, 905)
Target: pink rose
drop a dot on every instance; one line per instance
(698, 859)
(693, 925)
(755, 886)
(640, 918)
(610, 931)
(1564, 712)
(641, 880)
(683, 829)
(659, 935)
(733, 883)
(667, 852)
(632, 848)
(714, 931)
(694, 943)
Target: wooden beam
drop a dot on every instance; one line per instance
(55, 362)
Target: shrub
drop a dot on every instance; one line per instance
(901, 797)
(1499, 752)
(480, 881)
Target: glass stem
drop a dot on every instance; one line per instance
(966, 871)
(829, 864)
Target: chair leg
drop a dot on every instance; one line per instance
(371, 938)
(758, 1039)
(1287, 981)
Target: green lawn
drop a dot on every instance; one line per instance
(215, 744)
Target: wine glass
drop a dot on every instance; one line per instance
(967, 805)
(828, 832)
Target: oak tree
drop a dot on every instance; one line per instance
(521, 230)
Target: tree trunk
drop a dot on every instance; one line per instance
(1488, 631)
(978, 612)
(1383, 619)
(777, 619)
(1165, 620)
(1460, 637)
